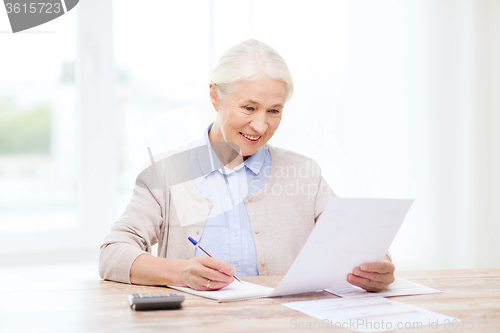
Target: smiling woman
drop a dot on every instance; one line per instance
(235, 206)
(250, 115)
(248, 89)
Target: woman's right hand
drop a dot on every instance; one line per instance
(206, 273)
(194, 273)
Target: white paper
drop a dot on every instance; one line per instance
(400, 287)
(236, 291)
(373, 314)
(349, 232)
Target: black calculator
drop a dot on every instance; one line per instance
(155, 301)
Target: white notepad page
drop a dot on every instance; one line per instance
(234, 292)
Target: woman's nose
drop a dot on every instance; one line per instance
(259, 123)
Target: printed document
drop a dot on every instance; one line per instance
(373, 314)
(348, 233)
(400, 287)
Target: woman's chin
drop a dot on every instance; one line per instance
(248, 152)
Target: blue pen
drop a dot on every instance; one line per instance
(195, 243)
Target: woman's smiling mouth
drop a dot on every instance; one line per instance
(251, 137)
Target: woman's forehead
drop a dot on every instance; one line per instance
(264, 90)
(250, 101)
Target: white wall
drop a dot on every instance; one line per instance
(393, 99)
(453, 113)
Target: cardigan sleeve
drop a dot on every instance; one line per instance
(137, 229)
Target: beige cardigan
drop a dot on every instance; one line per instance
(282, 214)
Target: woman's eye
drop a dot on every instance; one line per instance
(249, 108)
(274, 111)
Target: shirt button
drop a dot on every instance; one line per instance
(236, 265)
(233, 202)
(232, 174)
(249, 199)
(257, 231)
(263, 264)
(197, 232)
(235, 233)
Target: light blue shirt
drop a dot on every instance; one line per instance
(227, 235)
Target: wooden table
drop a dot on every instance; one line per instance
(68, 299)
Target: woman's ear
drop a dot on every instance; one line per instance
(214, 97)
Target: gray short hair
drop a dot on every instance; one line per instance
(247, 61)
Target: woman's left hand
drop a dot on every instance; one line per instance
(374, 276)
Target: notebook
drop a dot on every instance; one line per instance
(234, 292)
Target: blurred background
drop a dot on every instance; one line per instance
(393, 98)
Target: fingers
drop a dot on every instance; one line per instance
(215, 285)
(373, 276)
(366, 284)
(385, 277)
(214, 275)
(205, 273)
(219, 265)
(378, 267)
(201, 283)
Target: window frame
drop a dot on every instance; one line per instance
(96, 141)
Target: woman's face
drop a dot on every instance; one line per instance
(249, 116)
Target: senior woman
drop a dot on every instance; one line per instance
(237, 205)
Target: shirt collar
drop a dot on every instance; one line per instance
(256, 161)
(253, 163)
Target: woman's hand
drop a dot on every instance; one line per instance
(375, 276)
(194, 273)
(205, 273)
